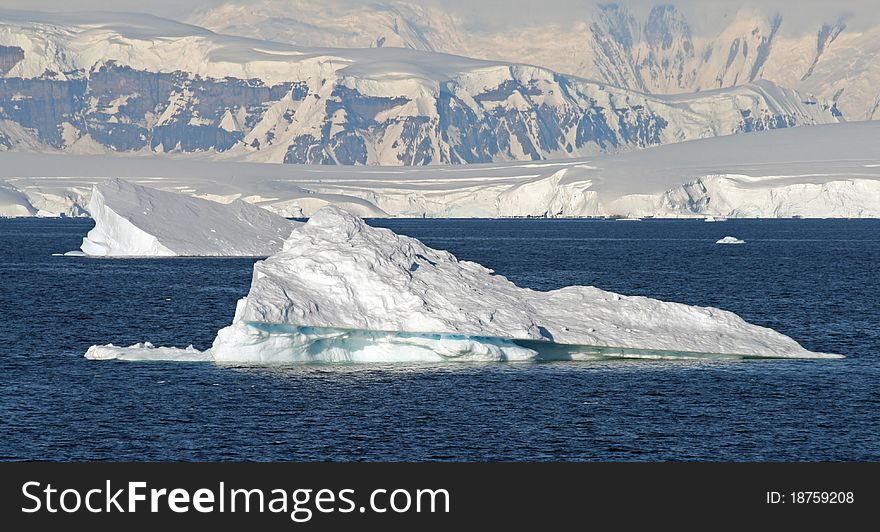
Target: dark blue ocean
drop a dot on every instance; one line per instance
(815, 280)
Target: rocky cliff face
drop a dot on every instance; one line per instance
(660, 54)
(527, 116)
(9, 57)
(126, 109)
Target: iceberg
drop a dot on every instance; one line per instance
(730, 240)
(146, 351)
(14, 204)
(136, 221)
(342, 291)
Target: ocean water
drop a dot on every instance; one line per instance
(815, 280)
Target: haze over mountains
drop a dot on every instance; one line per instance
(829, 54)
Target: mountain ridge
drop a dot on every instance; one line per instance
(126, 83)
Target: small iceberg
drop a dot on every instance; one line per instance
(714, 219)
(730, 240)
(343, 291)
(146, 351)
(137, 221)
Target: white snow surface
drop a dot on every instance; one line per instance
(341, 290)
(730, 240)
(65, 42)
(811, 172)
(136, 221)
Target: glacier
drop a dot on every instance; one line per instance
(136, 221)
(342, 291)
(828, 171)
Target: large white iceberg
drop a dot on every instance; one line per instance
(136, 221)
(341, 290)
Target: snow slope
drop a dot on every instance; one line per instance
(667, 47)
(136, 221)
(121, 82)
(822, 171)
(341, 290)
(333, 24)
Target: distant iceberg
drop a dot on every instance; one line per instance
(341, 290)
(13, 203)
(730, 240)
(136, 221)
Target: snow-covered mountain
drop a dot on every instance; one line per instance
(657, 49)
(98, 82)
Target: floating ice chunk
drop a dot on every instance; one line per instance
(342, 291)
(136, 221)
(730, 240)
(146, 351)
(336, 272)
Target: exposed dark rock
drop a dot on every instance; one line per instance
(127, 109)
(9, 57)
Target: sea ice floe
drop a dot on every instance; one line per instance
(146, 351)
